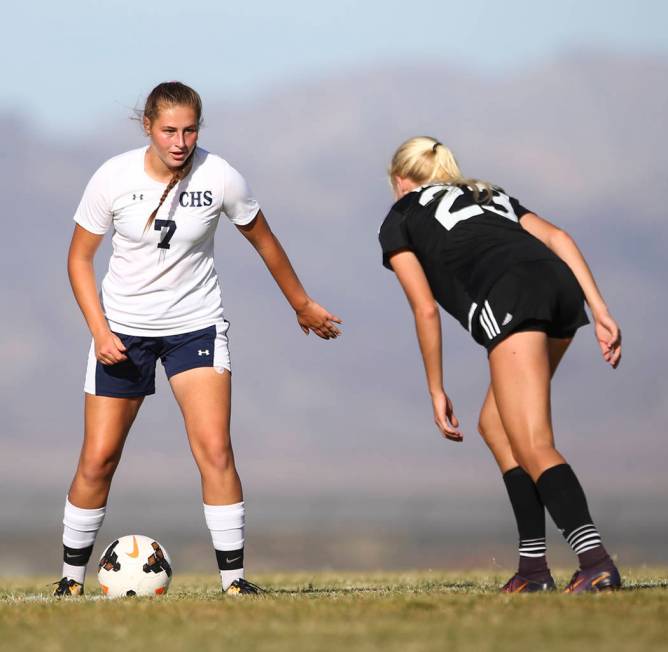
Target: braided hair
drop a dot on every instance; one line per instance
(181, 173)
(170, 94)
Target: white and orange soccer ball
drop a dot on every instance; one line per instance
(134, 565)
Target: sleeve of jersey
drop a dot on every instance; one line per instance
(393, 236)
(94, 211)
(238, 202)
(520, 211)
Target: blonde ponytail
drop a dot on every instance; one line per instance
(425, 160)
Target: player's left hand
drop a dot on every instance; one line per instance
(313, 317)
(609, 337)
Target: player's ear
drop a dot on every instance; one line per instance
(396, 185)
(401, 185)
(147, 125)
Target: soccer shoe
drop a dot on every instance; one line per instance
(240, 586)
(601, 578)
(519, 584)
(68, 589)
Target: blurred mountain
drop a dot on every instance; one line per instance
(580, 140)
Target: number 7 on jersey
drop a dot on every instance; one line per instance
(170, 225)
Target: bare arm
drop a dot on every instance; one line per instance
(608, 333)
(428, 327)
(108, 347)
(310, 315)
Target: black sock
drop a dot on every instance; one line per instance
(564, 498)
(530, 516)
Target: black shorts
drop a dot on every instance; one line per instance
(541, 295)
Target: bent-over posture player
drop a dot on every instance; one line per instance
(517, 284)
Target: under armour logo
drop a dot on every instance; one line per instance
(205, 352)
(134, 197)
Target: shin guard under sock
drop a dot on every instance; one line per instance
(530, 517)
(564, 498)
(226, 524)
(80, 527)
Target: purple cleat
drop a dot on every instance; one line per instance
(519, 584)
(604, 577)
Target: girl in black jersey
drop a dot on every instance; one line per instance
(518, 284)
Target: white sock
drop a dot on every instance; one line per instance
(80, 529)
(226, 524)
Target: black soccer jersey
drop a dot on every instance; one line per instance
(464, 245)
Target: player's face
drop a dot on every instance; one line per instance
(173, 134)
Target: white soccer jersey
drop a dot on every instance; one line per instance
(162, 281)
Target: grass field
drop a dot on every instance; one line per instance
(431, 610)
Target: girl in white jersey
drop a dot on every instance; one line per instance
(517, 283)
(161, 299)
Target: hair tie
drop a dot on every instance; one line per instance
(436, 144)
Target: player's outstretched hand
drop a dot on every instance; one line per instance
(313, 317)
(109, 349)
(445, 418)
(609, 337)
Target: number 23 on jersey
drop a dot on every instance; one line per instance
(449, 216)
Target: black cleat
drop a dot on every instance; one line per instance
(240, 586)
(68, 589)
(519, 584)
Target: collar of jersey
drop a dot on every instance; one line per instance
(429, 185)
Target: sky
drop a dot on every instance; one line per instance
(76, 62)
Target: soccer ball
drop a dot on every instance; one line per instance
(134, 565)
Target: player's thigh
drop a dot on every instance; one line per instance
(204, 396)
(490, 424)
(520, 373)
(489, 413)
(107, 423)
(556, 349)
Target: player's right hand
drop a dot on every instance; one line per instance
(445, 419)
(109, 349)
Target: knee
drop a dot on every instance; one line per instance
(218, 459)
(536, 450)
(488, 425)
(534, 457)
(98, 469)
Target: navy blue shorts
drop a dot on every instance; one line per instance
(541, 295)
(135, 376)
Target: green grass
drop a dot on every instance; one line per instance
(432, 610)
